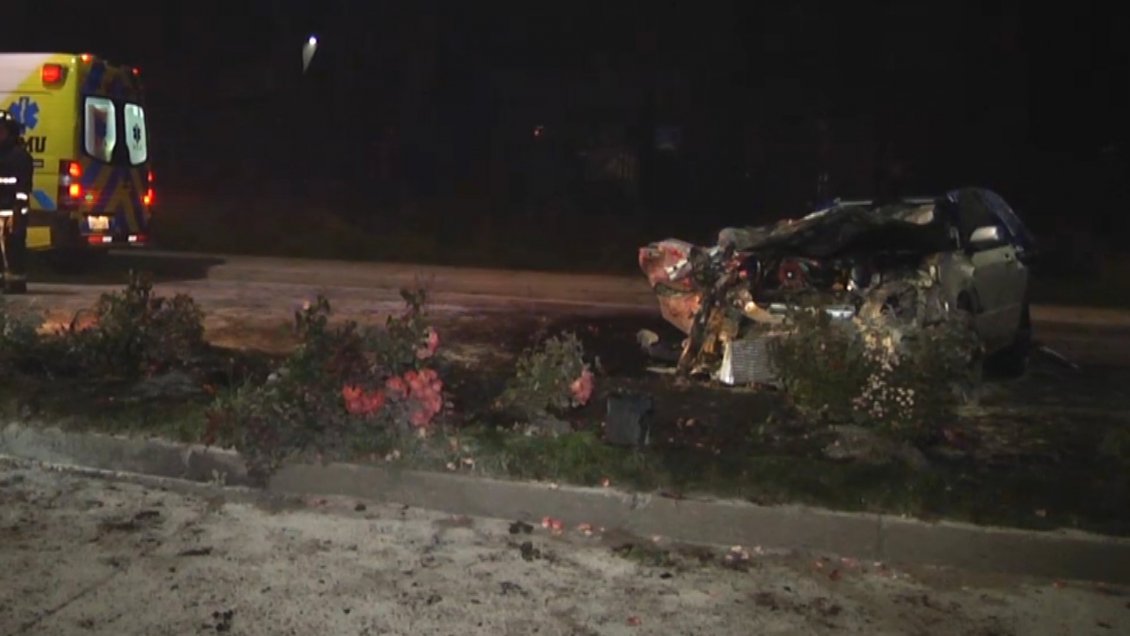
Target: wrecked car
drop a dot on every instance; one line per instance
(961, 256)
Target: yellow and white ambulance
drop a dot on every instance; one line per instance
(85, 127)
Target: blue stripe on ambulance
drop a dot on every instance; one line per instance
(44, 200)
(105, 197)
(90, 175)
(94, 78)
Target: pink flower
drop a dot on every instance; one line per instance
(396, 387)
(582, 388)
(431, 344)
(358, 402)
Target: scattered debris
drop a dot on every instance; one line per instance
(223, 621)
(529, 552)
(556, 526)
(521, 527)
(628, 420)
(195, 552)
(509, 587)
(133, 524)
(1055, 356)
(650, 344)
(550, 425)
(360, 507)
(172, 385)
(864, 445)
(634, 621)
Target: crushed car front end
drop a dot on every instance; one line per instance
(898, 267)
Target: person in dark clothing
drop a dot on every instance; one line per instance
(16, 169)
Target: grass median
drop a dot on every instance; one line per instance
(408, 393)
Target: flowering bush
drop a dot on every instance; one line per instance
(902, 379)
(550, 377)
(346, 389)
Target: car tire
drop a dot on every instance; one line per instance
(1012, 361)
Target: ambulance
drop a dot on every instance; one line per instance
(85, 127)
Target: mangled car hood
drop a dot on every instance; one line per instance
(834, 231)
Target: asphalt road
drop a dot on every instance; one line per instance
(248, 296)
(95, 554)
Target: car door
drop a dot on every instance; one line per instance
(1000, 278)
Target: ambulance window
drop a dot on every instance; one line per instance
(100, 129)
(135, 134)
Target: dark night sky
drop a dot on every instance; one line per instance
(1002, 93)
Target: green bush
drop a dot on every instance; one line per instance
(138, 333)
(902, 379)
(551, 377)
(20, 344)
(346, 390)
(130, 334)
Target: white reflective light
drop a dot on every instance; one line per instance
(132, 238)
(22, 196)
(107, 239)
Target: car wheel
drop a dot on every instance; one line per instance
(1013, 359)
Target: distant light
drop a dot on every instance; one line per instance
(539, 131)
(308, 50)
(86, 57)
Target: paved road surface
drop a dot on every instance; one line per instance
(246, 297)
(82, 554)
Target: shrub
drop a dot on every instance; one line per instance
(138, 333)
(820, 364)
(129, 334)
(20, 344)
(903, 379)
(552, 377)
(346, 390)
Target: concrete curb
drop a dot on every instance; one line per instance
(1060, 555)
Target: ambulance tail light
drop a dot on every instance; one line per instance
(150, 193)
(52, 74)
(71, 191)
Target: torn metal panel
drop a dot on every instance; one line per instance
(747, 361)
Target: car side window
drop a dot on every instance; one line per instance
(972, 213)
